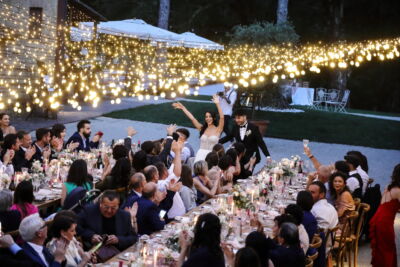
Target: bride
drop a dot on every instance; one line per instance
(209, 131)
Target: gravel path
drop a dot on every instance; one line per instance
(381, 161)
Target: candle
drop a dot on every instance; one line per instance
(58, 171)
(0, 230)
(252, 196)
(233, 203)
(155, 258)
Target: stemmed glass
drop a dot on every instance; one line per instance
(305, 144)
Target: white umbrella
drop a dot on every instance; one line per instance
(194, 41)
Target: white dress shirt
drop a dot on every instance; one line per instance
(364, 177)
(304, 240)
(325, 214)
(39, 251)
(185, 154)
(352, 182)
(242, 131)
(225, 106)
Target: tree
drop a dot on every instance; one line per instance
(282, 11)
(163, 14)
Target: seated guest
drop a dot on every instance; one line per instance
(24, 154)
(261, 245)
(6, 162)
(245, 257)
(148, 214)
(188, 191)
(205, 188)
(305, 201)
(119, 152)
(105, 218)
(58, 133)
(205, 249)
(363, 168)
(227, 172)
(63, 229)
(246, 169)
(77, 176)
(118, 177)
(278, 221)
(187, 150)
(139, 160)
(212, 160)
(235, 164)
(288, 253)
(341, 194)
(149, 148)
(9, 219)
(23, 198)
(42, 148)
(11, 142)
(136, 185)
(219, 149)
(82, 137)
(341, 166)
(151, 174)
(324, 213)
(12, 255)
(33, 231)
(297, 214)
(5, 127)
(354, 181)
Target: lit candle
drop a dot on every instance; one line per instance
(252, 196)
(155, 258)
(0, 230)
(58, 171)
(233, 203)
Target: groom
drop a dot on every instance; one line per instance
(248, 134)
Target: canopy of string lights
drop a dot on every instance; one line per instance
(115, 66)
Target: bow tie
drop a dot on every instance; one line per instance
(243, 126)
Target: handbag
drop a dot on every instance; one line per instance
(106, 252)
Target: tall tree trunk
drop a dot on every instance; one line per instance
(282, 11)
(163, 14)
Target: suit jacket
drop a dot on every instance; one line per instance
(38, 154)
(252, 141)
(91, 223)
(7, 258)
(287, 257)
(130, 200)
(148, 218)
(76, 137)
(163, 156)
(32, 254)
(19, 160)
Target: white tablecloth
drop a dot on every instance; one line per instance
(302, 96)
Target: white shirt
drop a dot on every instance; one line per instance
(185, 154)
(325, 214)
(137, 193)
(242, 131)
(352, 182)
(225, 106)
(304, 240)
(364, 177)
(39, 251)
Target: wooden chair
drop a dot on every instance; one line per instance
(309, 262)
(355, 237)
(341, 240)
(357, 203)
(316, 243)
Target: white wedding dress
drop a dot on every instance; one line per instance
(206, 145)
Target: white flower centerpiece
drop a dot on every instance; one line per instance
(5, 180)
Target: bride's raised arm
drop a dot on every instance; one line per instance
(221, 123)
(196, 123)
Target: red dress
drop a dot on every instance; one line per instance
(382, 236)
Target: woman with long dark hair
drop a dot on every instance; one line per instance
(205, 249)
(188, 191)
(77, 176)
(341, 195)
(23, 198)
(210, 130)
(5, 126)
(119, 176)
(381, 227)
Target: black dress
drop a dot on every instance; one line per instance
(203, 257)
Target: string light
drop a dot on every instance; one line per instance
(105, 66)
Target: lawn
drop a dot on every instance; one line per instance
(316, 126)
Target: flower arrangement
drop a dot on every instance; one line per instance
(5, 181)
(37, 166)
(173, 242)
(241, 198)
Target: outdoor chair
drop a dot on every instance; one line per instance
(320, 94)
(340, 106)
(355, 237)
(332, 97)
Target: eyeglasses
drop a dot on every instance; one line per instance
(109, 208)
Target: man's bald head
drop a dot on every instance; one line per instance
(149, 190)
(137, 181)
(324, 172)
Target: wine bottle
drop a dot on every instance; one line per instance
(99, 163)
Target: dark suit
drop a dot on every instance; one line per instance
(287, 257)
(10, 220)
(148, 218)
(91, 223)
(32, 254)
(130, 200)
(252, 141)
(76, 137)
(7, 258)
(19, 160)
(38, 154)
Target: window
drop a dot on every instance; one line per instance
(35, 22)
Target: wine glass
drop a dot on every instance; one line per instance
(305, 144)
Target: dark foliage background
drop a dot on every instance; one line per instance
(374, 86)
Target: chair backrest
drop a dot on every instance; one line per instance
(333, 95)
(357, 203)
(363, 210)
(306, 84)
(309, 262)
(346, 95)
(73, 198)
(316, 242)
(320, 94)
